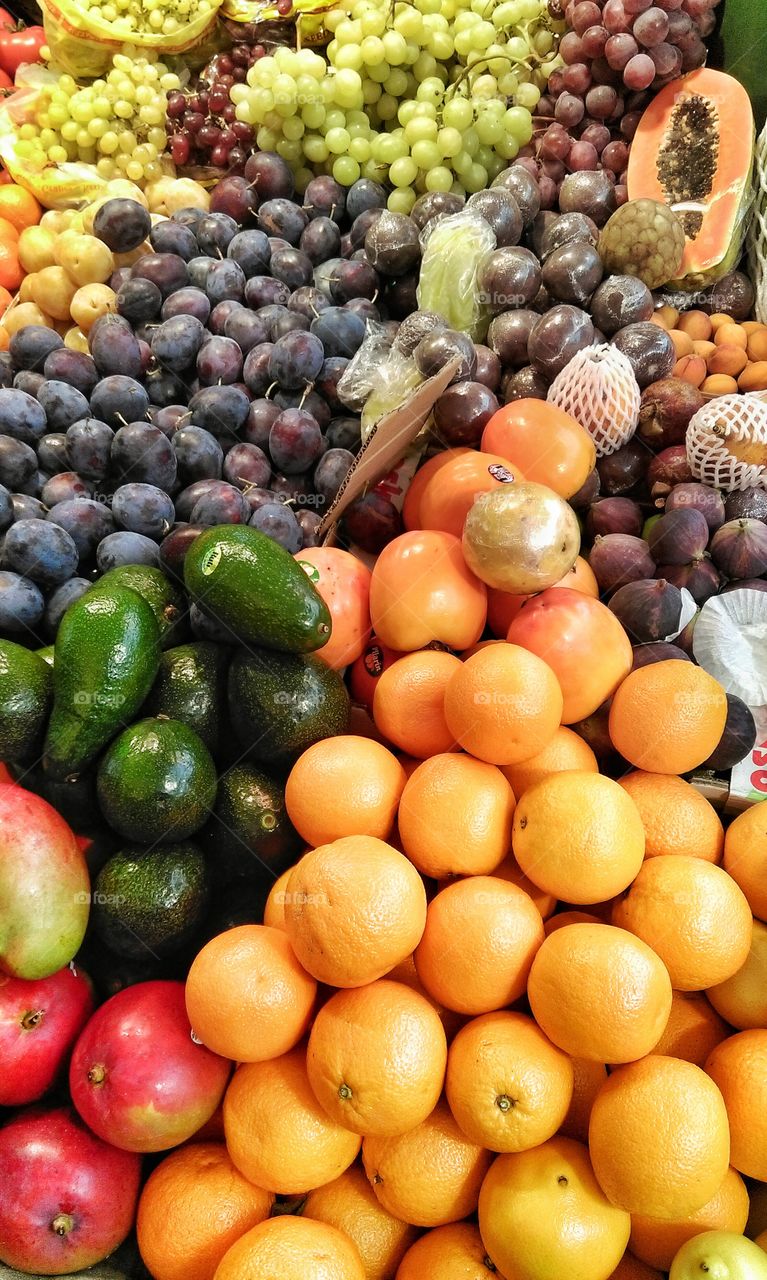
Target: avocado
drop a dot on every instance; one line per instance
(107, 656)
(150, 900)
(250, 834)
(26, 695)
(164, 598)
(46, 654)
(256, 590)
(191, 687)
(280, 703)
(156, 781)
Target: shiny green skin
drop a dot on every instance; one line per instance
(47, 656)
(26, 694)
(107, 653)
(250, 832)
(150, 901)
(254, 588)
(281, 703)
(191, 687)
(166, 601)
(156, 782)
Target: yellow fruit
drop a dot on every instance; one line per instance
(85, 259)
(23, 314)
(76, 340)
(36, 248)
(53, 292)
(91, 302)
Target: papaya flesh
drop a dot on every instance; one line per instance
(693, 150)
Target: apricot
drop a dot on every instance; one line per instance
(730, 360)
(719, 384)
(691, 369)
(696, 323)
(731, 335)
(754, 377)
(757, 345)
(682, 341)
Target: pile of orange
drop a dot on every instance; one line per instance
(505, 1014)
(18, 210)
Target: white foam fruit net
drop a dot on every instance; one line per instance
(757, 229)
(737, 421)
(598, 388)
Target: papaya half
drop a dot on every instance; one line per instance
(693, 150)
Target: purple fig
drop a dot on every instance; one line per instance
(698, 497)
(738, 736)
(739, 549)
(657, 651)
(679, 536)
(618, 558)
(614, 515)
(650, 609)
(699, 577)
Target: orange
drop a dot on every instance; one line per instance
(745, 856)
(599, 993)
(453, 490)
(354, 909)
(6, 299)
(344, 786)
(510, 870)
(376, 1058)
(504, 705)
(675, 816)
(366, 671)
(739, 1067)
(583, 643)
(564, 918)
(455, 816)
(422, 591)
(455, 1252)
(411, 508)
(409, 703)
(18, 206)
(693, 915)
(292, 1249)
(564, 751)
(276, 1131)
(343, 581)
(667, 717)
(407, 974)
(11, 271)
(508, 1087)
(630, 1268)
(480, 939)
(655, 1242)
(693, 1029)
(247, 996)
(8, 231)
(659, 1137)
(349, 1205)
(429, 1176)
(192, 1209)
(588, 1078)
(543, 1215)
(547, 443)
(579, 836)
(274, 908)
(742, 999)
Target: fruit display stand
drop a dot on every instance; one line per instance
(383, 696)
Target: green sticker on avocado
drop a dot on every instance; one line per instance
(210, 560)
(311, 570)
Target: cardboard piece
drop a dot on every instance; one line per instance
(386, 444)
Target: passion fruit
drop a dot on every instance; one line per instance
(746, 504)
(648, 610)
(521, 538)
(665, 411)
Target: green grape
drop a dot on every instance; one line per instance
(409, 23)
(439, 178)
(293, 129)
(484, 157)
(462, 163)
(108, 143)
(507, 148)
(441, 46)
(402, 172)
(519, 123)
(395, 47)
(387, 107)
(290, 151)
(485, 87)
(396, 84)
(315, 148)
(450, 141)
(337, 141)
(489, 131)
(373, 23)
(482, 35)
(421, 129)
(348, 88)
(517, 48)
(374, 171)
(527, 96)
(371, 92)
(412, 54)
(401, 200)
(508, 84)
(346, 170)
(424, 66)
(426, 155)
(97, 128)
(388, 148)
(372, 50)
(470, 142)
(348, 58)
(458, 113)
(335, 119)
(360, 149)
(465, 21)
(476, 178)
(267, 141)
(379, 73)
(425, 110)
(312, 115)
(431, 90)
(407, 112)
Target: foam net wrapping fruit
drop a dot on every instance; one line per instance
(598, 388)
(727, 442)
(757, 230)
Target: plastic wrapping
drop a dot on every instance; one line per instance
(84, 46)
(378, 379)
(308, 17)
(726, 442)
(757, 230)
(729, 642)
(598, 388)
(455, 249)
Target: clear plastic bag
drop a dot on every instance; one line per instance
(757, 230)
(84, 46)
(455, 249)
(377, 379)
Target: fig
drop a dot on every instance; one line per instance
(747, 584)
(614, 515)
(693, 496)
(700, 577)
(648, 610)
(665, 411)
(649, 350)
(738, 736)
(588, 491)
(679, 536)
(618, 558)
(739, 549)
(685, 637)
(594, 730)
(521, 538)
(668, 468)
(624, 470)
(746, 504)
(657, 651)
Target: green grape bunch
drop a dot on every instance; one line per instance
(147, 17)
(116, 123)
(428, 95)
